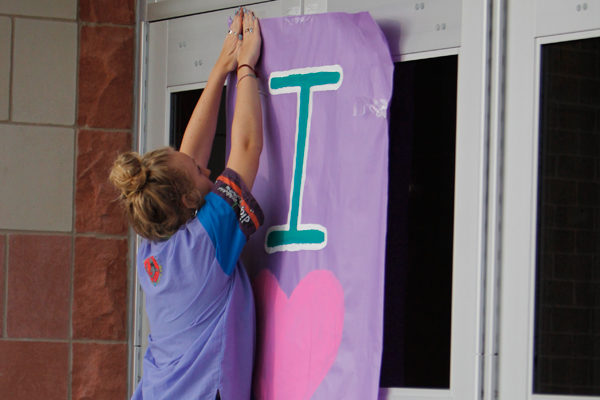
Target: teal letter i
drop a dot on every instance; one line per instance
(294, 235)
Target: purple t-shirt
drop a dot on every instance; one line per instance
(199, 301)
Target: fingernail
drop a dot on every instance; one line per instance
(253, 17)
(240, 36)
(245, 11)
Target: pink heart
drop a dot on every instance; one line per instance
(298, 338)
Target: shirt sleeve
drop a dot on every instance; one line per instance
(230, 216)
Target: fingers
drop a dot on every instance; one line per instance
(246, 20)
(256, 26)
(240, 16)
(250, 22)
(240, 19)
(236, 25)
(244, 23)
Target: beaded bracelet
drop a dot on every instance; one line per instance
(253, 70)
(239, 80)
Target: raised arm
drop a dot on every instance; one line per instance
(200, 131)
(246, 129)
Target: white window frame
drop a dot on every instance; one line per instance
(468, 347)
(531, 24)
(470, 309)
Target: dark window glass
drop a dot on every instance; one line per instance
(418, 280)
(567, 312)
(182, 106)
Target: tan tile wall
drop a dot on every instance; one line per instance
(44, 71)
(66, 110)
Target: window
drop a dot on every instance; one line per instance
(433, 344)
(182, 107)
(418, 294)
(567, 324)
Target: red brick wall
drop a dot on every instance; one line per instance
(64, 296)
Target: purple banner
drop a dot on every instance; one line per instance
(317, 263)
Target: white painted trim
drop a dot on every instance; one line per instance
(556, 17)
(416, 394)
(533, 217)
(185, 88)
(568, 37)
(435, 25)
(427, 54)
(136, 353)
(559, 397)
(490, 318)
(167, 9)
(157, 112)
(519, 168)
(470, 225)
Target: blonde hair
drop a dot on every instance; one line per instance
(151, 192)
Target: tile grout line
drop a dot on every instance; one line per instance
(66, 341)
(95, 128)
(76, 20)
(74, 211)
(24, 16)
(101, 235)
(5, 308)
(12, 62)
(38, 124)
(73, 126)
(66, 233)
(107, 24)
(71, 291)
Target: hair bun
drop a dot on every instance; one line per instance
(129, 174)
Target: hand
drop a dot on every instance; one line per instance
(250, 45)
(228, 57)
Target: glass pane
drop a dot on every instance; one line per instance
(182, 107)
(567, 329)
(418, 281)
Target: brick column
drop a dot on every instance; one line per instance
(104, 122)
(66, 111)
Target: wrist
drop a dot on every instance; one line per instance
(245, 67)
(219, 71)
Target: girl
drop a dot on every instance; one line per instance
(198, 296)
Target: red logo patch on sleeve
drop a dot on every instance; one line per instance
(153, 269)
